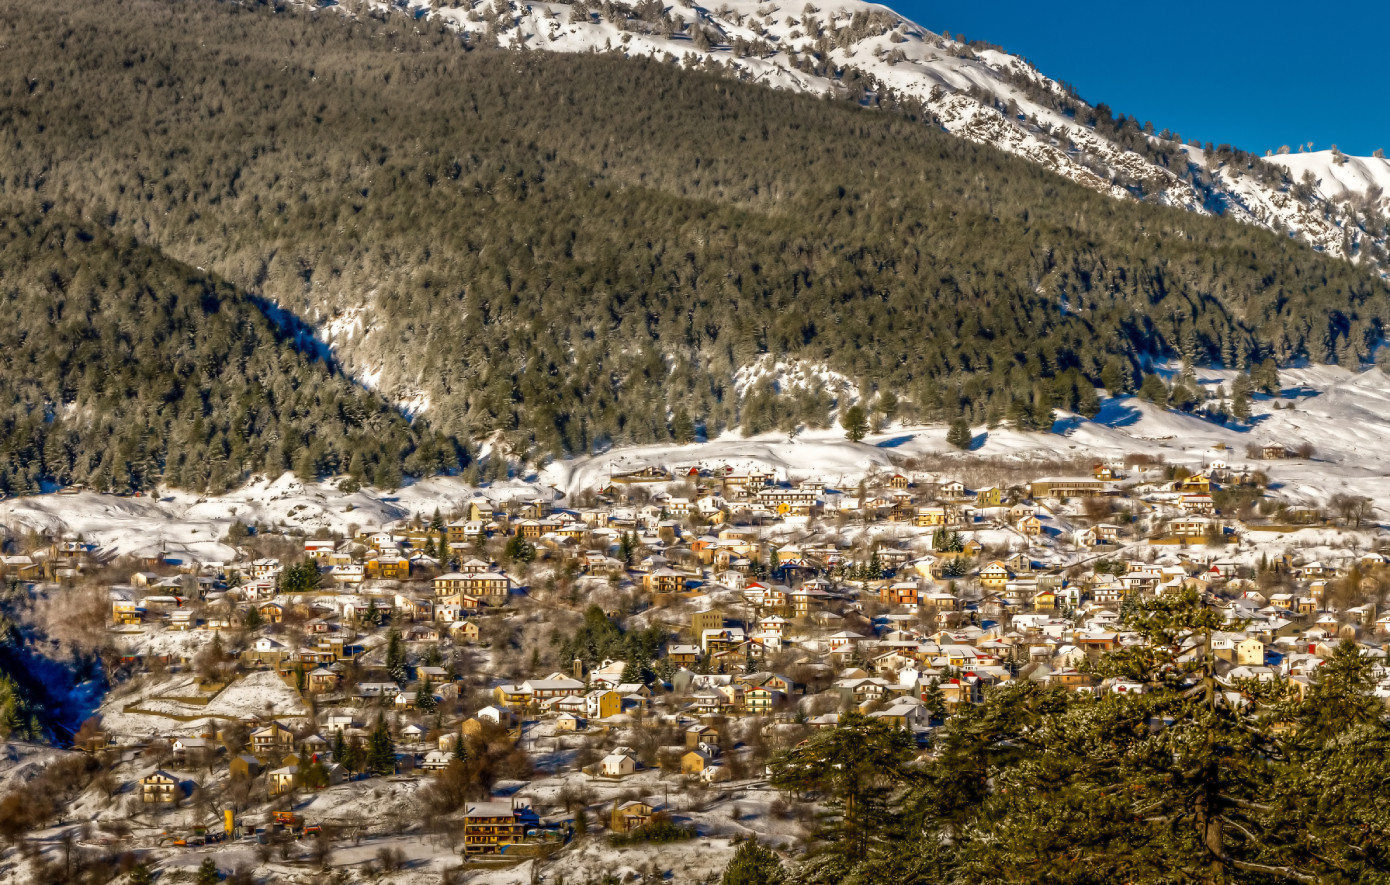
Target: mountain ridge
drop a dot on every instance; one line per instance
(974, 91)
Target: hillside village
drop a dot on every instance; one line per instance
(522, 676)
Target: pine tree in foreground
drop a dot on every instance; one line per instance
(752, 864)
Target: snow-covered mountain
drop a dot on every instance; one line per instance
(982, 94)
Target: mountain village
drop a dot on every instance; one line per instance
(627, 658)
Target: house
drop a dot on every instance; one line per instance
(630, 815)
(995, 575)
(683, 655)
(159, 787)
(271, 740)
(845, 642)
(244, 766)
(1250, 652)
(281, 780)
(761, 700)
(1202, 504)
(602, 703)
(698, 760)
(556, 685)
(464, 631)
(488, 827)
(665, 580)
(1067, 487)
(124, 608)
(617, 764)
(488, 587)
(568, 722)
(436, 760)
(1192, 526)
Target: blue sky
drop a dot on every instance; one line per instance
(1253, 75)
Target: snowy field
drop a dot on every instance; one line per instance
(1345, 416)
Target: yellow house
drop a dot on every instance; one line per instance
(480, 510)
(1250, 653)
(159, 788)
(931, 517)
(1198, 484)
(695, 762)
(125, 611)
(601, 704)
(991, 497)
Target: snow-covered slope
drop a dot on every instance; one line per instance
(866, 50)
(1344, 416)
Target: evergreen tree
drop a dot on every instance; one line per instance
(935, 701)
(424, 696)
(959, 435)
(857, 768)
(887, 404)
(519, 549)
(1088, 402)
(855, 423)
(682, 427)
(355, 756)
(1265, 377)
(1114, 379)
(301, 577)
(207, 872)
(381, 749)
(1240, 406)
(1153, 390)
(752, 864)
(395, 657)
(1018, 416)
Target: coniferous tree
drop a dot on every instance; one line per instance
(959, 434)
(1088, 402)
(207, 873)
(381, 749)
(856, 767)
(1153, 390)
(752, 864)
(395, 657)
(682, 427)
(855, 423)
(424, 696)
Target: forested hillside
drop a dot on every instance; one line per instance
(574, 249)
(119, 366)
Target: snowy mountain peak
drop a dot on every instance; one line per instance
(868, 52)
